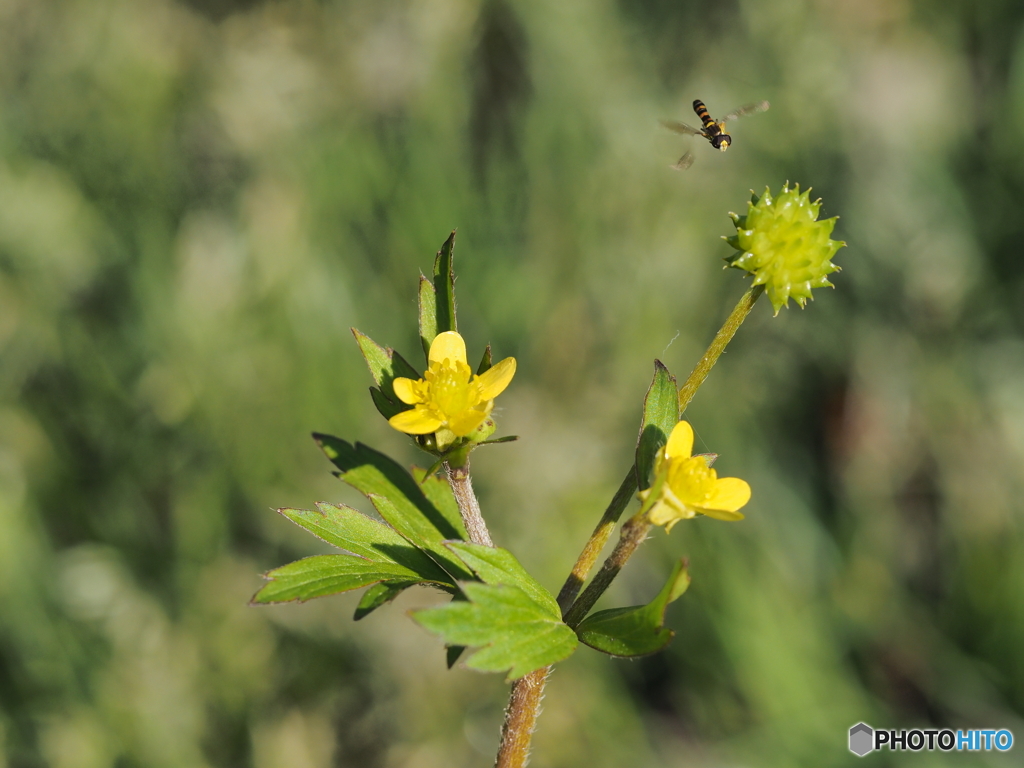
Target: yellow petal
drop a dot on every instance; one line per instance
(466, 422)
(417, 421)
(721, 514)
(448, 345)
(405, 390)
(729, 494)
(494, 380)
(680, 442)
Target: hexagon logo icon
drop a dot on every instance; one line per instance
(862, 739)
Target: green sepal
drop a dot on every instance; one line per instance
(639, 630)
(323, 575)
(486, 363)
(481, 433)
(379, 594)
(354, 532)
(511, 631)
(427, 314)
(709, 458)
(661, 414)
(444, 285)
(495, 441)
(385, 366)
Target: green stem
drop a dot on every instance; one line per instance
(592, 549)
(527, 692)
(635, 530)
(718, 345)
(633, 533)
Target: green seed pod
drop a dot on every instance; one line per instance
(783, 245)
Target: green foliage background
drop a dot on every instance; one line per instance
(197, 199)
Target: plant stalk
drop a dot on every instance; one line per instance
(634, 531)
(469, 507)
(597, 540)
(527, 692)
(520, 719)
(718, 345)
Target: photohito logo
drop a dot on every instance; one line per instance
(862, 739)
(865, 739)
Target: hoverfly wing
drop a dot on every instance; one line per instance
(684, 162)
(682, 128)
(749, 109)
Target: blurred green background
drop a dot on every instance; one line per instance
(198, 199)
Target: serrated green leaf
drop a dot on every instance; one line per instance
(407, 520)
(444, 286)
(378, 595)
(323, 575)
(376, 357)
(485, 362)
(495, 565)
(370, 471)
(511, 631)
(439, 492)
(639, 630)
(385, 365)
(661, 414)
(351, 530)
(428, 314)
(398, 498)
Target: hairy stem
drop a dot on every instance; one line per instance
(718, 345)
(597, 540)
(521, 719)
(524, 701)
(634, 531)
(469, 507)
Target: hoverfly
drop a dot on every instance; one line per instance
(712, 130)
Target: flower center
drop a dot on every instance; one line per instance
(451, 390)
(691, 480)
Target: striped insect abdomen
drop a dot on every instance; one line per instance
(702, 113)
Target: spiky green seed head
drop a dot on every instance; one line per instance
(783, 245)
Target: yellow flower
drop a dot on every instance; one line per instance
(690, 487)
(450, 396)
